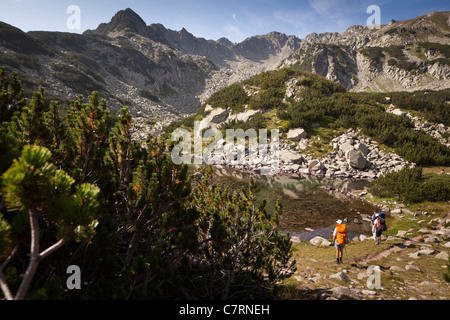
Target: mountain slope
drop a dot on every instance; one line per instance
(325, 130)
(402, 55)
(159, 73)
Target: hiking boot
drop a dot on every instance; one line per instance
(337, 261)
(340, 260)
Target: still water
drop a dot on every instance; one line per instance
(307, 203)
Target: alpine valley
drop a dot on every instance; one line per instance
(163, 74)
(86, 141)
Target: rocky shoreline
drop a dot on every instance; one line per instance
(353, 157)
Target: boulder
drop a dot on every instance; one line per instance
(406, 211)
(218, 115)
(397, 268)
(317, 166)
(319, 241)
(297, 134)
(363, 148)
(442, 255)
(243, 116)
(343, 293)
(290, 157)
(401, 233)
(444, 232)
(431, 239)
(399, 112)
(208, 108)
(356, 159)
(345, 148)
(340, 276)
(304, 171)
(414, 255)
(412, 267)
(427, 252)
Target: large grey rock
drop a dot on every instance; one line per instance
(356, 159)
(442, 255)
(444, 232)
(297, 134)
(243, 116)
(406, 211)
(340, 276)
(290, 157)
(218, 115)
(363, 148)
(399, 112)
(312, 163)
(315, 165)
(343, 293)
(345, 148)
(427, 252)
(397, 268)
(412, 267)
(319, 241)
(431, 239)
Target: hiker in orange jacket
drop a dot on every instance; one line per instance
(340, 239)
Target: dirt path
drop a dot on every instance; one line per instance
(396, 247)
(386, 252)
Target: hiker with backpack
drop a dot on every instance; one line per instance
(340, 239)
(380, 226)
(372, 224)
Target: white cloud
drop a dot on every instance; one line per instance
(300, 20)
(323, 16)
(323, 6)
(234, 16)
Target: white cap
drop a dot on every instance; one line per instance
(339, 222)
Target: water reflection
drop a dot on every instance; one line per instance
(308, 204)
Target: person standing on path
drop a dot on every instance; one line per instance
(340, 239)
(380, 225)
(372, 224)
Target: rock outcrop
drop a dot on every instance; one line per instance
(438, 131)
(397, 57)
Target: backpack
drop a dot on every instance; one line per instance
(341, 234)
(381, 223)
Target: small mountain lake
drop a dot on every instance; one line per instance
(306, 203)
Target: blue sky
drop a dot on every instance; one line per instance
(212, 19)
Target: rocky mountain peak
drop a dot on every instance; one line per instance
(123, 20)
(262, 47)
(225, 42)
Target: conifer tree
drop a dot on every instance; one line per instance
(244, 250)
(33, 185)
(11, 95)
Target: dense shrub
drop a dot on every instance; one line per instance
(411, 186)
(443, 49)
(157, 234)
(233, 97)
(318, 99)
